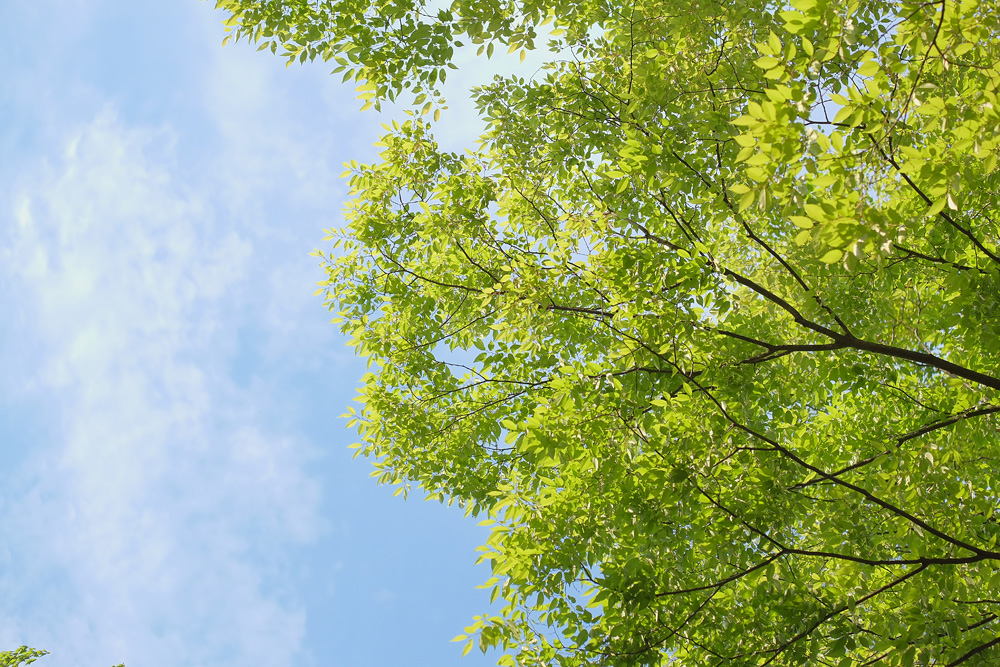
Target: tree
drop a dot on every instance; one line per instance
(20, 656)
(707, 326)
(25, 656)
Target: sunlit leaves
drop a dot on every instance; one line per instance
(24, 656)
(707, 325)
(20, 656)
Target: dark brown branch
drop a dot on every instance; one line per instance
(775, 351)
(848, 340)
(974, 652)
(868, 495)
(723, 582)
(577, 309)
(781, 303)
(838, 610)
(425, 278)
(475, 263)
(919, 255)
(923, 430)
(945, 216)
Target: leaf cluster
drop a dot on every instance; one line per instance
(705, 328)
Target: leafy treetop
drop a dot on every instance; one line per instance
(24, 656)
(707, 326)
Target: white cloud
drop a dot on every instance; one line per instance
(152, 527)
(278, 137)
(166, 361)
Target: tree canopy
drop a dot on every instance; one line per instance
(20, 656)
(706, 327)
(23, 656)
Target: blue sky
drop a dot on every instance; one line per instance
(177, 485)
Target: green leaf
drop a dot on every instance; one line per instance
(843, 115)
(868, 69)
(938, 206)
(767, 62)
(831, 256)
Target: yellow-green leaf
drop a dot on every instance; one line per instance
(767, 62)
(937, 206)
(831, 256)
(868, 69)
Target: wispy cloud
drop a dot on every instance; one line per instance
(163, 508)
(168, 377)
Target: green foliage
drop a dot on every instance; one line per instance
(707, 328)
(25, 656)
(20, 656)
(388, 46)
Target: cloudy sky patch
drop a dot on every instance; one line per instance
(178, 487)
(161, 498)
